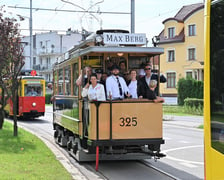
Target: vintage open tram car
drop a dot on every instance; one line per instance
(113, 129)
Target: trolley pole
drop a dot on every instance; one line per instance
(31, 36)
(132, 16)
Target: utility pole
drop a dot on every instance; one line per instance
(31, 36)
(132, 16)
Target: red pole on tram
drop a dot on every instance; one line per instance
(97, 157)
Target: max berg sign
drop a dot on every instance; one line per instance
(124, 38)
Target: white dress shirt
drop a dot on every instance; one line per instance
(113, 88)
(133, 89)
(147, 79)
(97, 93)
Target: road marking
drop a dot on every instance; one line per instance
(182, 160)
(185, 142)
(188, 165)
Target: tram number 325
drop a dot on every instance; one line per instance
(128, 121)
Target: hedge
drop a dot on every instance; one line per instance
(47, 98)
(193, 102)
(194, 105)
(189, 88)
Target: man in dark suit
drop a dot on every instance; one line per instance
(143, 85)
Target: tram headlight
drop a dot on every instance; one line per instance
(34, 104)
(99, 39)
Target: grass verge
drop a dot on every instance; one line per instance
(27, 157)
(180, 111)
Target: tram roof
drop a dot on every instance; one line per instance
(31, 77)
(116, 49)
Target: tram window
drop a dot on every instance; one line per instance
(33, 90)
(136, 62)
(75, 76)
(68, 80)
(93, 61)
(217, 76)
(55, 82)
(60, 81)
(110, 61)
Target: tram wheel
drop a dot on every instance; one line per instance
(69, 145)
(75, 147)
(56, 134)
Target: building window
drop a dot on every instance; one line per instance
(191, 54)
(192, 30)
(189, 74)
(34, 60)
(171, 32)
(171, 80)
(171, 55)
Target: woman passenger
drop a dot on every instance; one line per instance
(94, 91)
(132, 84)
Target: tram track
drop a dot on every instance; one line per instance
(159, 170)
(84, 171)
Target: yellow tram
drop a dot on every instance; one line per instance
(214, 90)
(114, 129)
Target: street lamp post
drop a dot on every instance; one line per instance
(132, 16)
(31, 35)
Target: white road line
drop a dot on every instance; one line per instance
(182, 160)
(188, 165)
(180, 148)
(185, 142)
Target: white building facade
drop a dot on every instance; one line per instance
(47, 48)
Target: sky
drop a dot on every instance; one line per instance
(149, 14)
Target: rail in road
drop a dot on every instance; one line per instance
(112, 170)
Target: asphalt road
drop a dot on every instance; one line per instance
(183, 147)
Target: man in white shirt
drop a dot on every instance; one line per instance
(116, 86)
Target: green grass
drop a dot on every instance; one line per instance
(180, 111)
(27, 157)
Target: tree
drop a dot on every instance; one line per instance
(11, 63)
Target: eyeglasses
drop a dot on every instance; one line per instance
(147, 68)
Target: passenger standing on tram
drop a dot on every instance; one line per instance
(122, 66)
(99, 73)
(103, 81)
(94, 91)
(83, 79)
(132, 84)
(116, 85)
(143, 85)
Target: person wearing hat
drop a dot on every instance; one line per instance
(99, 73)
(116, 86)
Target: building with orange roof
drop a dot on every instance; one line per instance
(182, 39)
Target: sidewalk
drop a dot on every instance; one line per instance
(184, 121)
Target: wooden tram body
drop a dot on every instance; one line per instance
(109, 130)
(29, 106)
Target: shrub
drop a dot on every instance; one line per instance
(189, 88)
(194, 105)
